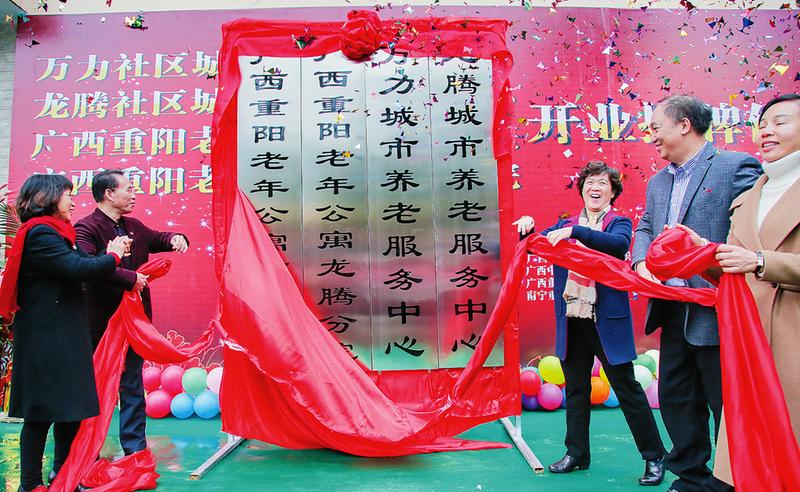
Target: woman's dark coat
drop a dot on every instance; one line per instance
(52, 377)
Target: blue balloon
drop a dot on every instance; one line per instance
(530, 402)
(182, 406)
(206, 404)
(611, 401)
(564, 398)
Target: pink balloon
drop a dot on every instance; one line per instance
(151, 376)
(550, 396)
(171, 380)
(214, 379)
(652, 394)
(596, 367)
(157, 404)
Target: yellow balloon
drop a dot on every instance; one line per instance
(603, 375)
(550, 370)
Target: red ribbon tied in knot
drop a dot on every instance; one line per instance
(361, 35)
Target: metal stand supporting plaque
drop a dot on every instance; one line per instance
(225, 450)
(515, 432)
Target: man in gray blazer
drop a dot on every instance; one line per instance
(696, 188)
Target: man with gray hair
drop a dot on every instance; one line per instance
(696, 189)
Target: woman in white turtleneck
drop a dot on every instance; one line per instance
(764, 244)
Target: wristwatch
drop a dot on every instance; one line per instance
(759, 264)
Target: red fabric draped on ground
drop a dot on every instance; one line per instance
(128, 326)
(764, 452)
(288, 381)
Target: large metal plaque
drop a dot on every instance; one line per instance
(379, 184)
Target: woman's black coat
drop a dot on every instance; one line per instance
(52, 378)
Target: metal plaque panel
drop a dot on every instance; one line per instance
(402, 262)
(465, 206)
(269, 149)
(335, 208)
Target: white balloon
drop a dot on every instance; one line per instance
(214, 379)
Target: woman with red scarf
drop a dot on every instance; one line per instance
(52, 380)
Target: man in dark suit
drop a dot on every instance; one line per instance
(115, 198)
(695, 189)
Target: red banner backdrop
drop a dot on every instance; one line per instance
(91, 93)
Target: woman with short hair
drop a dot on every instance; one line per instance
(52, 381)
(595, 320)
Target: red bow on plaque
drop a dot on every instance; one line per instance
(361, 35)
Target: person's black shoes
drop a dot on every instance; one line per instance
(52, 476)
(38, 488)
(653, 472)
(568, 464)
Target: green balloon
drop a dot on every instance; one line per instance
(194, 381)
(646, 361)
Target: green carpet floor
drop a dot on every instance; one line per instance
(181, 446)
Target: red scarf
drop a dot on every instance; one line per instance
(8, 287)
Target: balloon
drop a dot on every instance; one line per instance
(151, 377)
(652, 395)
(194, 381)
(550, 396)
(206, 404)
(596, 367)
(530, 381)
(563, 397)
(182, 406)
(646, 361)
(656, 356)
(643, 376)
(611, 401)
(550, 369)
(157, 404)
(171, 380)
(214, 379)
(530, 402)
(600, 391)
(603, 376)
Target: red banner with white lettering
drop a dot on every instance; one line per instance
(583, 83)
